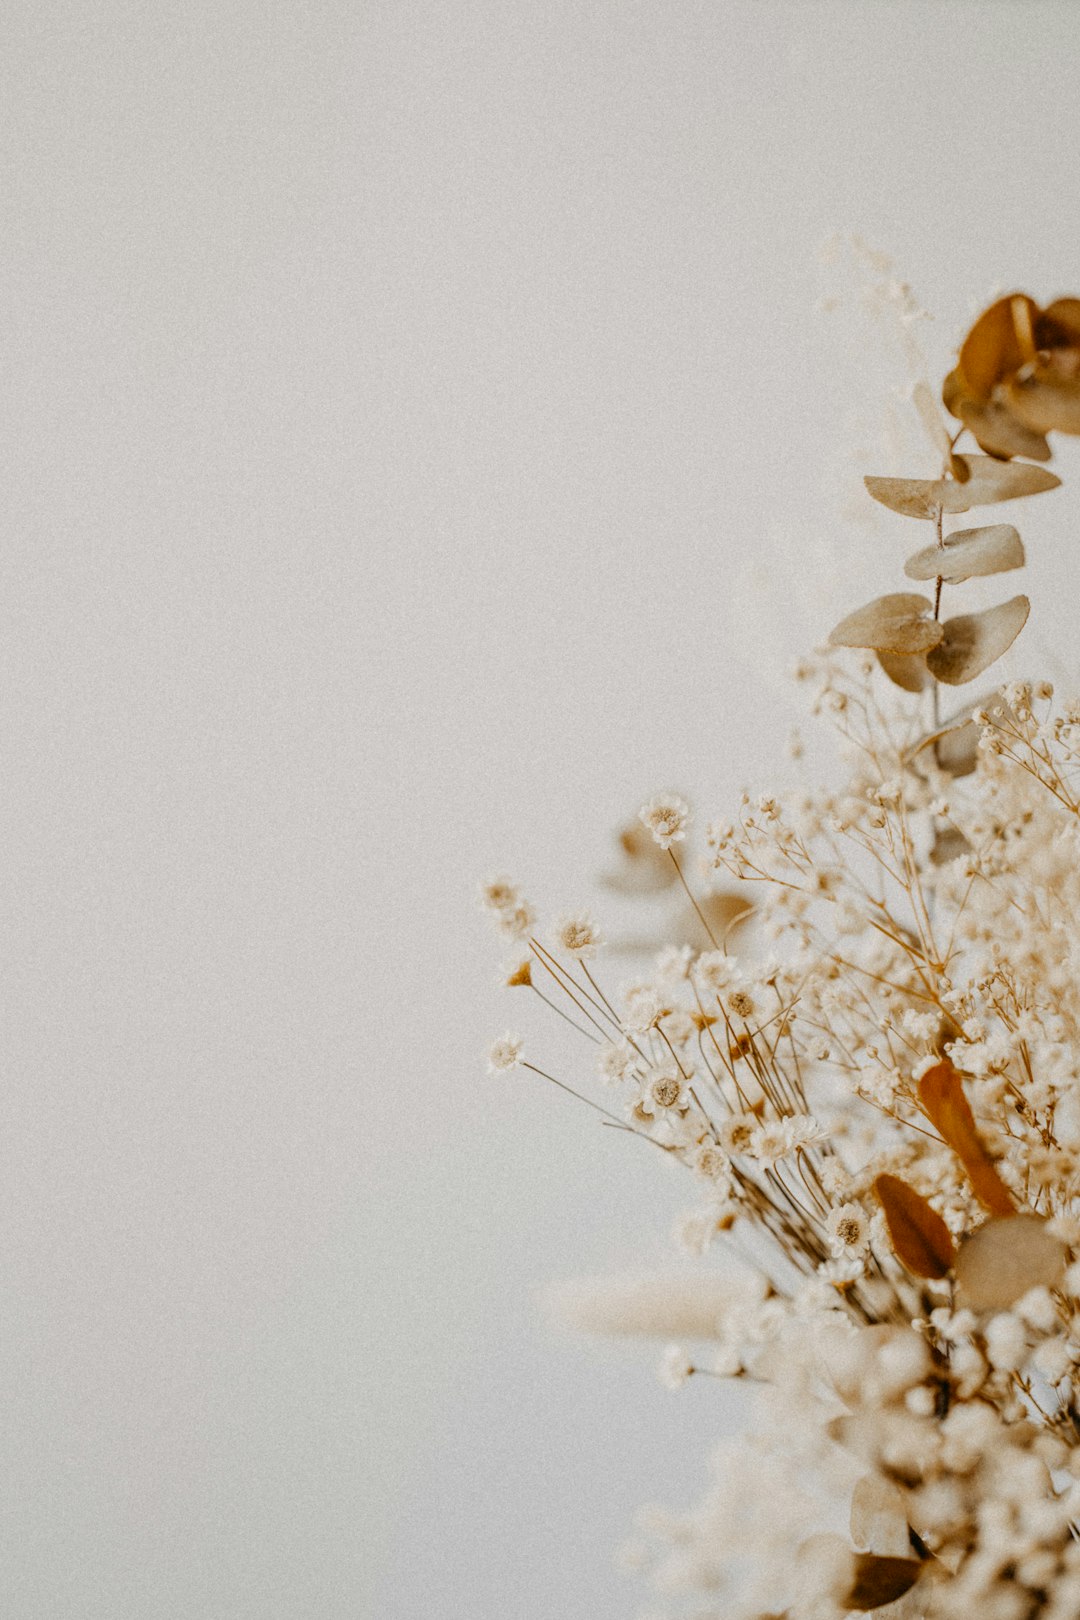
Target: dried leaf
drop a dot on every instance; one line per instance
(999, 342)
(881, 1580)
(997, 431)
(879, 1518)
(997, 1264)
(990, 481)
(1061, 322)
(969, 553)
(971, 642)
(1045, 403)
(906, 670)
(941, 1093)
(921, 1240)
(898, 623)
(956, 743)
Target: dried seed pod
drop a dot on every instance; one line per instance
(971, 642)
(990, 481)
(968, 554)
(999, 1262)
(920, 1239)
(898, 623)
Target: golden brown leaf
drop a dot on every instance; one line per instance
(906, 670)
(881, 1580)
(941, 1093)
(996, 430)
(997, 1264)
(898, 623)
(921, 1240)
(999, 343)
(969, 553)
(971, 642)
(990, 481)
(1045, 401)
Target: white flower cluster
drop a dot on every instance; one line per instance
(879, 1089)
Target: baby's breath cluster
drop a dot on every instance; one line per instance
(869, 1070)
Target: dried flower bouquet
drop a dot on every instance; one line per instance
(868, 1059)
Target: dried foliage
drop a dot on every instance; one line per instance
(875, 1085)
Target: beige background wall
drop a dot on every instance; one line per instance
(394, 397)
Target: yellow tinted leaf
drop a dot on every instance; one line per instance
(941, 1093)
(921, 1240)
(971, 642)
(997, 1264)
(969, 553)
(999, 342)
(898, 623)
(989, 481)
(906, 670)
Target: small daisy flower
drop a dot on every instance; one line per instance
(664, 1093)
(848, 1229)
(505, 1054)
(666, 817)
(499, 894)
(579, 936)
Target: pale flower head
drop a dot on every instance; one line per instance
(849, 1230)
(505, 1054)
(666, 817)
(579, 936)
(675, 1367)
(499, 894)
(516, 921)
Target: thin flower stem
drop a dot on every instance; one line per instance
(701, 915)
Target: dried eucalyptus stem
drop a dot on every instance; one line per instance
(875, 1086)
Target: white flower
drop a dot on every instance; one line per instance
(579, 936)
(666, 817)
(499, 894)
(642, 1007)
(615, 1061)
(715, 970)
(675, 1367)
(517, 921)
(505, 1054)
(849, 1229)
(737, 1134)
(1006, 1342)
(664, 1091)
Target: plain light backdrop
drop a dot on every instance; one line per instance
(423, 440)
